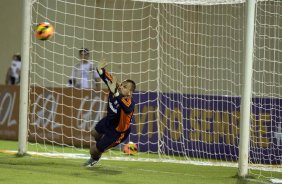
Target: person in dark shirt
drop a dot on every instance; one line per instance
(115, 127)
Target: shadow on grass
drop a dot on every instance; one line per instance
(103, 170)
(243, 180)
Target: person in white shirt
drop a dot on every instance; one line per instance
(84, 74)
(14, 71)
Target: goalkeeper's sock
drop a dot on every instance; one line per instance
(95, 157)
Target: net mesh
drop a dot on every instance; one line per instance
(186, 58)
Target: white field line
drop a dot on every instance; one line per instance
(202, 163)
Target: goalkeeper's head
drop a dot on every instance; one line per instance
(127, 87)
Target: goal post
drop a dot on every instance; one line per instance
(24, 85)
(245, 108)
(208, 91)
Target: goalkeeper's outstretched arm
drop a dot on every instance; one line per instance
(105, 75)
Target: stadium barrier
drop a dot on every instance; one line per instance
(52, 116)
(198, 129)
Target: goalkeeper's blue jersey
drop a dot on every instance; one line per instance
(120, 109)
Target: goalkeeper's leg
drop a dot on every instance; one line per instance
(96, 135)
(95, 156)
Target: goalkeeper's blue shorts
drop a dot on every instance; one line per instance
(111, 137)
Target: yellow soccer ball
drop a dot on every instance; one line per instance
(130, 148)
(44, 31)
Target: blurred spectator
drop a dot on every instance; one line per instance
(14, 71)
(84, 74)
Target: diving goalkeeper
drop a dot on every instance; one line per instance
(115, 127)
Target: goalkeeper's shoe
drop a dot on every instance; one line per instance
(91, 162)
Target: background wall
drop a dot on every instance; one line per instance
(10, 33)
(201, 47)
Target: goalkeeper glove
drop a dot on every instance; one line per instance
(113, 86)
(102, 64)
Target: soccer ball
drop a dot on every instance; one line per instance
(44, 31)
(130, 148)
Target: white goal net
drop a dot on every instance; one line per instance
(266, 126)
(186, 58)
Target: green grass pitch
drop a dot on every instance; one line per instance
(45, 170)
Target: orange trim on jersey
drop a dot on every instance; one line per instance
(126, 101)
(124, 121)
(108, 75)
(120, 138)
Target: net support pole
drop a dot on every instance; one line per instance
(24, 84)
(245, 109)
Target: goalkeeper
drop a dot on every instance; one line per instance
(115, 127)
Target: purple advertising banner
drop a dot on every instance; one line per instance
(198, 126)
(206, 126)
